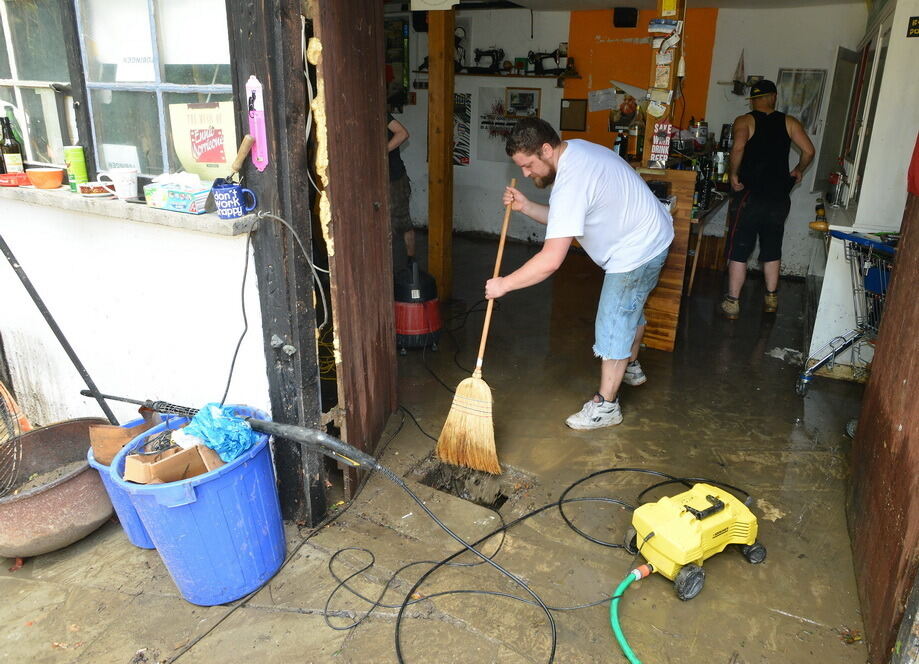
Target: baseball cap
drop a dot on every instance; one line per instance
(760, 88)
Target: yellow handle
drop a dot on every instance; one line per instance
(507, 216)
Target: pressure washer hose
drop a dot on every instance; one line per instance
(635, 575)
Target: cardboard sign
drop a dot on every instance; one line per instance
(204, 137)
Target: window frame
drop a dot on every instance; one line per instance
(157, 86)
(62, 91)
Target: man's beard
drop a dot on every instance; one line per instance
(542, 182)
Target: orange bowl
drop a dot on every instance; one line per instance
(45, 178)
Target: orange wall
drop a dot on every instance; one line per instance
(598, 59)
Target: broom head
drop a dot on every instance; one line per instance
(468, 436)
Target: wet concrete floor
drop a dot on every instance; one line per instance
(722, 406)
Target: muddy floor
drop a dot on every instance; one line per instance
(722, 406)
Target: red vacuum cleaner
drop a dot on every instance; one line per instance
(418, 321)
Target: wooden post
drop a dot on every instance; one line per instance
(677, 53)
(440, 149)
(265, 42)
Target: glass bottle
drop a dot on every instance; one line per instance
(10, 149)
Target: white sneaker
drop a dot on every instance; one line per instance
(596, 415)
(634, 375)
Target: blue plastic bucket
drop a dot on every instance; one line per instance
(121, 501)
(219, 534)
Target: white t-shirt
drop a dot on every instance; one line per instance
(602, 202)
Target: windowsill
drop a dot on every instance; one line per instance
(110, 207)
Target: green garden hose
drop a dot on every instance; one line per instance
(635, 575)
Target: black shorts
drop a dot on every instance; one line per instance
(753, 215)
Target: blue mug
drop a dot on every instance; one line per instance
(230, 200)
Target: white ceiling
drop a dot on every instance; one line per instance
(576, 5)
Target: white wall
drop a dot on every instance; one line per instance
(883, 193)
(773, 39)
(893, 134)
(477, 187)
(152, 312)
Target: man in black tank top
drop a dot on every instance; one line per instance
(762, 186)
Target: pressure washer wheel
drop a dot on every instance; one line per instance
(630, 543)
(754, 553)
(689, 581)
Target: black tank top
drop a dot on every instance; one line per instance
(764, 168)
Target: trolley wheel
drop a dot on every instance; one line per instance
(630, 543)
(801, 387)
(754, 553)
(402, 351)
(689, 581)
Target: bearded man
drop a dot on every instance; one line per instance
(600, 200)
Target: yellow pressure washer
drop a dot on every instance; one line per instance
(677, 533)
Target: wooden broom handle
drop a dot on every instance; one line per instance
(491, 303)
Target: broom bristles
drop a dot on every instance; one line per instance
(468, 436)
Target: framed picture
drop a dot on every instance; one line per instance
(800, 92)
(573, 116)
(522, 102)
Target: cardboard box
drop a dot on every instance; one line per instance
(108, 439)
(171, 197)
(171, 465)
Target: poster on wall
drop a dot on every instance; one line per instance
(204, 137)
(493, 125)
(462, 118)
(800, 92)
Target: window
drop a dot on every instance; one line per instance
(145, 61)
(34, 78)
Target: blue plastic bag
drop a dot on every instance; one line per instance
(222, 430)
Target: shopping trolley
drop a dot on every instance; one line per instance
(871, 263)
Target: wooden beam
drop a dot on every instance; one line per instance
(440, 149)
(265, 43)
(351, 125)
(677, 54)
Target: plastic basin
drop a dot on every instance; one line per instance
(219, 534)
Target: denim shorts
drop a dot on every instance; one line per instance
(621, 309)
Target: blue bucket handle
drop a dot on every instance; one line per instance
(175, 494)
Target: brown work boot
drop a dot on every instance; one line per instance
(730, 307)
(770, 302)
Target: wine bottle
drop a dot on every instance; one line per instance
(10, 149)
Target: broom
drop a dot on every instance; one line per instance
(468, 436)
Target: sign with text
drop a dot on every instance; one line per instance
(913, 29)
(204, 137)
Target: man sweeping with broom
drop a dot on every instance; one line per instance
(600, 200)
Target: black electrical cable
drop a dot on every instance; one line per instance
(695, 480)
(612, 545)
(242, 336)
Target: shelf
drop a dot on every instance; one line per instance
(415, 71)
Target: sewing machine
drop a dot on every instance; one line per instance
(537, 59)
(495, 54)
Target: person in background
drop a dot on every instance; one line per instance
(400, 189)
(762, 186)
(602, 202)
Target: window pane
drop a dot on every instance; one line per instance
(194, 46)
(202, 133)
(117, 38)
(8, 110)
(4, 56)
(38, 37)
(127, 130)
(44, 126)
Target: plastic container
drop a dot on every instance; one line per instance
(219, 534)
(121, 501)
